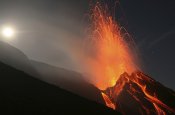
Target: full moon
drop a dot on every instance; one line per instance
(8, 32)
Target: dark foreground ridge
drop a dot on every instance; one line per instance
(25, 95)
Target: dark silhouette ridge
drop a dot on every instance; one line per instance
(25, 95)
(16, 58)
(65, 79)
(68, 80)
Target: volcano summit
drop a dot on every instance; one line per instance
(139, 94)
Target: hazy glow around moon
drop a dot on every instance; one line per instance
(8, 32)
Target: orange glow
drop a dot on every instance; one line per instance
(112, 54)
(159, 111)
(154, 100)
(112, 57)
(108, 101)
(139, 79)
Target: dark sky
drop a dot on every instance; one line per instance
(152, 23)
(46, 30)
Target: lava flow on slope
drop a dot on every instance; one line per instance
(139, 94)
(115, 71)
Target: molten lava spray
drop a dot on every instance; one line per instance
(112, 55)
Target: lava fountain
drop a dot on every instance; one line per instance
(111, 57)
(111, 54)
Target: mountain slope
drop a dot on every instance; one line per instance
(68, 80)
(16, 58)
(25, 95)
(139, 94)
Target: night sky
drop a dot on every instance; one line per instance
(46, 30)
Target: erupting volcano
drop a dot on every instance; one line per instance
(115, 69)
(112, 55)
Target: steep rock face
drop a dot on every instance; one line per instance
(139, 94)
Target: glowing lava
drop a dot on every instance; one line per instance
(112, 56)
(108, 101)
